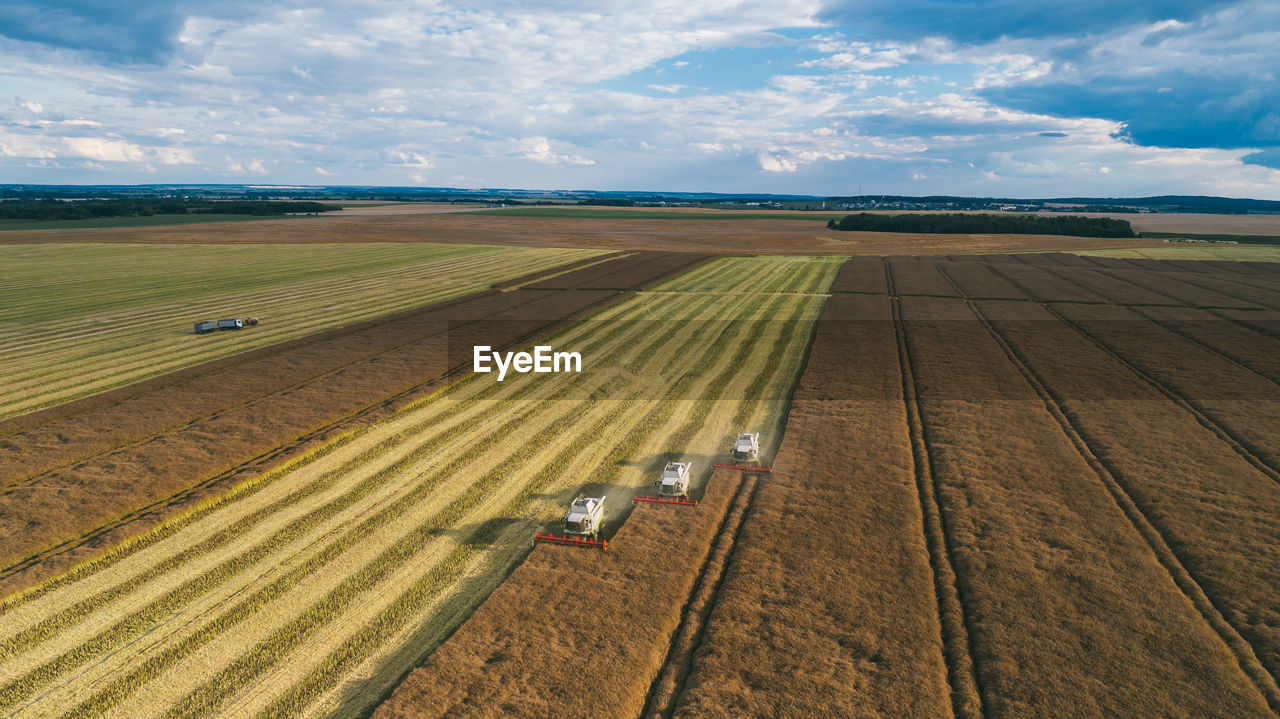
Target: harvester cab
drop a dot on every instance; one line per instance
(674, 481)
(586, 514)
(747, 447)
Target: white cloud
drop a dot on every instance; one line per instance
(773, 163)
(538, 149)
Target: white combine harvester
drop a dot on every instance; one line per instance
(746, 454)
(674, 481)
(586, 514)
(747, 447)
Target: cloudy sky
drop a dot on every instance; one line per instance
(975, 97)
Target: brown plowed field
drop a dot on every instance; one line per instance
(574, 632)
(81, 477)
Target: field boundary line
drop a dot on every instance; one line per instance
(1243, 651)
(954, 623)
(1221, 432)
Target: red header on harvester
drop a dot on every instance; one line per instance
(571, 541)
(666, 500)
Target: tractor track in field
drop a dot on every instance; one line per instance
(668, 684)
(954, 621)
(116, 528)
(1217, 428)
(1244, 651)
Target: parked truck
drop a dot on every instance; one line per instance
(234, 323)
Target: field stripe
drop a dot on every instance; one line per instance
(957, 641)
(292, 703)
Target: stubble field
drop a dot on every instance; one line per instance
(312, 588)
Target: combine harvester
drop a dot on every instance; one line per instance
(581, 525)
(746, 454)
(673, 486)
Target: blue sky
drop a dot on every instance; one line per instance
(977, 97)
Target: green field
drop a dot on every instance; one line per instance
(1178, 251)
(76, 319)
(148, 221)
(598, 213)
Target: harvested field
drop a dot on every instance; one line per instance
(186, 435)
(312, 588)
(111, 315)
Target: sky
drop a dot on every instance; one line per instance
(969, 97)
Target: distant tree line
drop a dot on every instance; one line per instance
(986, 224)
(608, 202)
(142, 207)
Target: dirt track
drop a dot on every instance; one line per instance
(80, 478)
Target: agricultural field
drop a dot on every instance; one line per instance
(310, 589)
(126, 311)
(187, 435)
(1068, 506)
(1003, 485)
